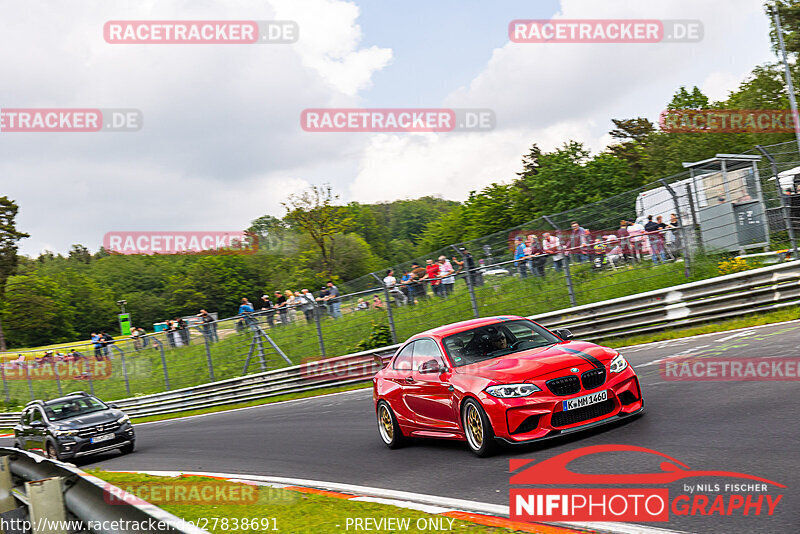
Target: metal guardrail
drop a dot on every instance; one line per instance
(51, 495)
(724, 297)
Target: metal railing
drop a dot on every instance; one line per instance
(725, 297)
(51, 495)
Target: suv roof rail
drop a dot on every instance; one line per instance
(37, 401)
(76, 393)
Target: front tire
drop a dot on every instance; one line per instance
(388, 429)
(477, 429)
(51, 451)
(128, 448)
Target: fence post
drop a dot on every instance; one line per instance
(566, 260)
(387, 298)
(58, 381)
(697, 233)
(30, 384)
(318, 324)
(163, 361)
(687, 266)
(470, 283)
(785, 207)
(207, 343)
(47, 506)
(124, 369)
(5, 384)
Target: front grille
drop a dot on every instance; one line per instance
(626, 397)
(594, 378)
(103, 428)
(529, 424)
(570, 417)
(565, 385)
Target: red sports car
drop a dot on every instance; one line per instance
(500, 378)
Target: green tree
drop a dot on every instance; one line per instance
(9, 236)
(315, 213)
(36, 311)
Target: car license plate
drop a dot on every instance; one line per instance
(586, 400)
(102, 437)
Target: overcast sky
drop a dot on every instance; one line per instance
(222, 143)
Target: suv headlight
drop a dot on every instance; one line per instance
(63, 433)
(510, 391)
(124, 419)
(618, 364)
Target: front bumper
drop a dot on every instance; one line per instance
(75, 447)
(540, 416)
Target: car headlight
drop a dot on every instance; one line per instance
(124, 419)
(510, 391)
(62, 433)
(618, 364)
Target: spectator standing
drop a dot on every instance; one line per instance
(322, 300)
(520, 257)
(106, 340)
(624, 240)
(578, 241)
(551, 246)
(420, 274)
(446, 271)
(391, 285)
(536, 257)
(655, 241)
(280, 305)
(209, 328)
(98, 346)
(469, 262)
(144, 337)
(291, 305)
(333, 297)
(246, 311)
(137, 343)
(183, 330)
(266, 309)
(432, 273)
(674, 235)
(636, 231)
(307, 305)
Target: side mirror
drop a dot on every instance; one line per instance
(431, 366)
(563, 333)
(113, 405)
(37, 424)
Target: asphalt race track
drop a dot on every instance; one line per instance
(747, 427)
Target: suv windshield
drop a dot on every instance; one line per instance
(495, 340)
(71, 407)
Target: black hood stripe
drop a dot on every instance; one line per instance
(588, 357)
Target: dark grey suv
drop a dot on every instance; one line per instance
(73, 426)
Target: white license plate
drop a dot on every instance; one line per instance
(102, 437)
(586, 400)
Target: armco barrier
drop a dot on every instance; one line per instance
(42, 489)
(724, 297)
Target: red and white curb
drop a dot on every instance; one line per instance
(493, 515)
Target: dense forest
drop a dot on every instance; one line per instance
(56, 298)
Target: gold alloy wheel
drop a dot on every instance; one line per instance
(386, 426)
(474, 427)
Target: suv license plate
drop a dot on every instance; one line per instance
(103, 437)
(586, 400)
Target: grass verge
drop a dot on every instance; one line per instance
(274, 509)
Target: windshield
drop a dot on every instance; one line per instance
(495, 340)
(73, 406)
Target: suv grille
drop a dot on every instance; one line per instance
(565, 385)
(577, 415)
(594, 378)
(95, 430)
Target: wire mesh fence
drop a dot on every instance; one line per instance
(665, 233)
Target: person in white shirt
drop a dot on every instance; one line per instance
(391, 284)
(552, 247)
